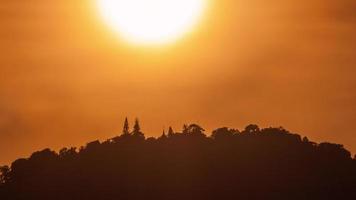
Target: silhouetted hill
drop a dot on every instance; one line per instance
(269, 163)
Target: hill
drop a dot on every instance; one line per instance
(268, 163)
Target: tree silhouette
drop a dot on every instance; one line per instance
(185, 129)
(137, 130)
(194, 129)
(258, 163)
(163, 136)
(126, 128)
(4, 174)
(223, 133)
(170, 132)
(251, 129)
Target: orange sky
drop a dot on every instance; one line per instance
(66, 79)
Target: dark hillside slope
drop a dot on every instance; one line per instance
(256, 163)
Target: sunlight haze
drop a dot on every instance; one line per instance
(151, 21)
(71, 71)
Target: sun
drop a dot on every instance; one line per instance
(152, 21)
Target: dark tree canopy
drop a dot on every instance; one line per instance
(267, 163)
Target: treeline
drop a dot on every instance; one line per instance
(268, 163)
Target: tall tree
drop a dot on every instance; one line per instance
(136, 127)
(137, 130)
(163, 136)
(126, 129)
(170, 132)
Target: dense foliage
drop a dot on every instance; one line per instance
(269, 163)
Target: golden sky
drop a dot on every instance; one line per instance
(66, 78)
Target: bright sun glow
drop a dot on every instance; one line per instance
(152, 21)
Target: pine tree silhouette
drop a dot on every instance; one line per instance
(126, 129)
(163, 136)
(170, 132)
(137, 130)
